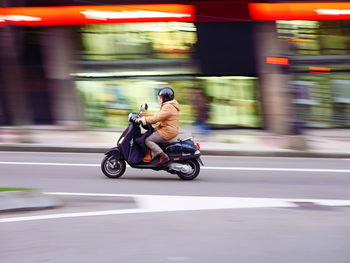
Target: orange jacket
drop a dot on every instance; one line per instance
(166, 120)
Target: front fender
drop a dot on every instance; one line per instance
(115, 152)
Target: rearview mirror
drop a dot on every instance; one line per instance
(143, 107)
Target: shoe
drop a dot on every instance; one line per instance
(163, 158)
(148, 157)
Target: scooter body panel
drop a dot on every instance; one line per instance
(115, 151)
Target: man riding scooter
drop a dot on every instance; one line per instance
(177, 154)
(167, 124)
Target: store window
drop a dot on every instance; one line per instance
(123, 66)
(322, 101)
(315, 37)
(232, 101)
(137, 40)
(319, 70)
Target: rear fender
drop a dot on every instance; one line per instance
(200, 160)
(115, 152)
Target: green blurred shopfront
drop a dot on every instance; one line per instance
(94, 74)
(319, 70)
(124, 65)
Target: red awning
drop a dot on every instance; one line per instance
(76, 15)
(300, 11)
(197, 11)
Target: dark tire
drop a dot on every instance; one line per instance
(112, 167)
(196, 169)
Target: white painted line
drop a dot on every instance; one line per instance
(333, 202)
(164, 203)
(203, 167)
(50, 164)
(278, 169)
(70, 215)
(269, 157)
(46, 153)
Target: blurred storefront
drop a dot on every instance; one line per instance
(232, 100)
(91, 65)
(314, 39)
(320, 53)
(97, 72)
(123, 66)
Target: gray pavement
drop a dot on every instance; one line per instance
(13, 201)
(103, 218)
(255, 176)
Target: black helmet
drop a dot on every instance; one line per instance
(166, 93)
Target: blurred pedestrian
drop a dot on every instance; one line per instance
(302, 102)
(201, 106)
(340, 102)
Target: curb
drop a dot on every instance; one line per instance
(215, 152)
(11, 201)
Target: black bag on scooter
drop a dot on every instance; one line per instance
(183, 147)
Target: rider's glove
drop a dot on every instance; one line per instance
(141, 120)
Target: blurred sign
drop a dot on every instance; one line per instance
(300, 11)
(277, 60)
(197, 11)
(76, 15)
(320, 70)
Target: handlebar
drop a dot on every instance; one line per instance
(133, 116)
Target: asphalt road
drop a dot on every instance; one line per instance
(269, 210)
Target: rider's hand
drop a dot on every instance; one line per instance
(138, 120)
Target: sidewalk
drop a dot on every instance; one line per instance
(333, 143)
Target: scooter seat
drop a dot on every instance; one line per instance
(182, 136)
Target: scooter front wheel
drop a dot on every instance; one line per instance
(112, 167)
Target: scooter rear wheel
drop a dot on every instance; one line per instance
(195, 170)
(112, 167)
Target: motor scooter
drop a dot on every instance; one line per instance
(183, 152)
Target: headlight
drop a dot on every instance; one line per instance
(120, 140)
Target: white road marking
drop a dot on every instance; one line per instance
(203, 167)
(46, 153)
(51, 164)
(278, 169)
(71, 215)
(271, 157)
(165, 203)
